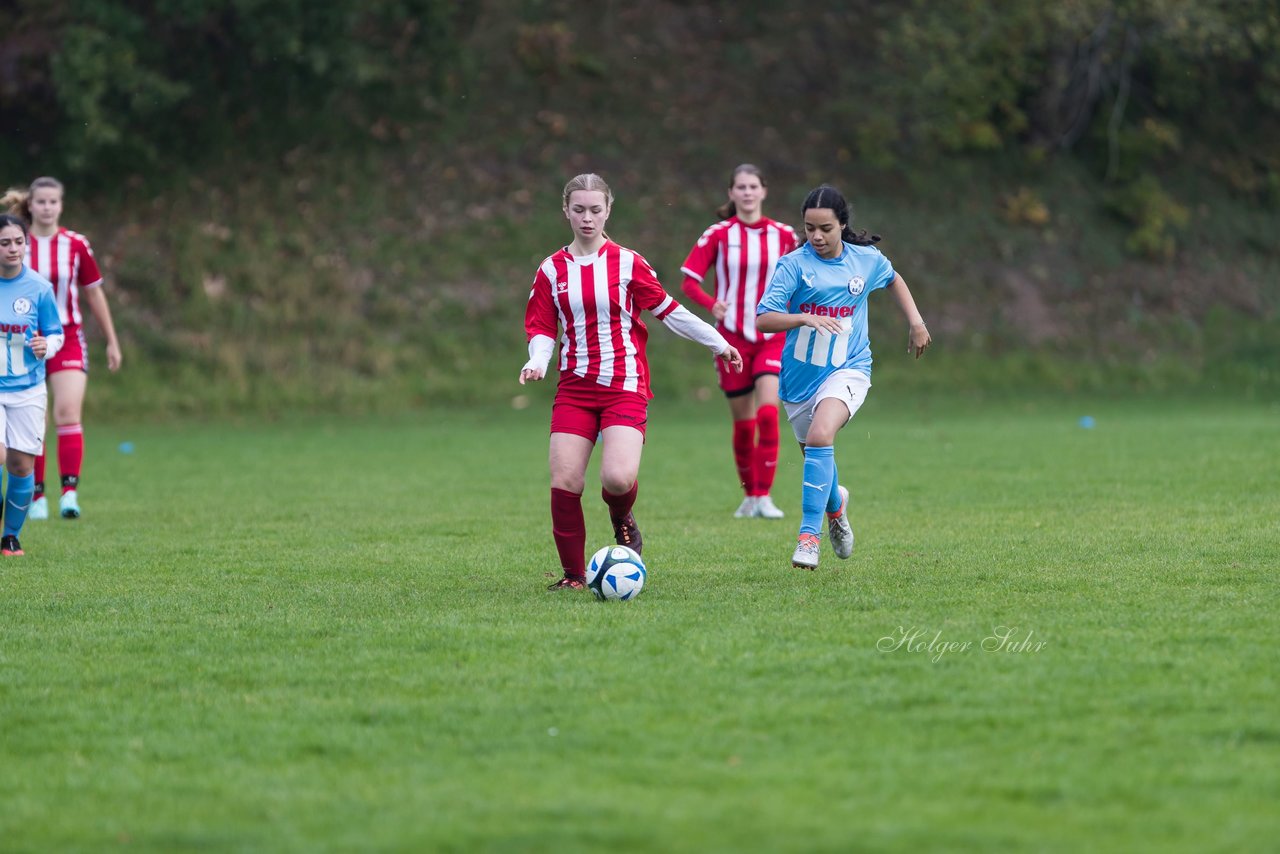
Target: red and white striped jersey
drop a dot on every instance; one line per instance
(744, 257)
(67, 261)
(596, 301)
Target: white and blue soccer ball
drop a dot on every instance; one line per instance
(616, 572)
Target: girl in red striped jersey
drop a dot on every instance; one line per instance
(743, 248)
(592, 291)
(64, 258)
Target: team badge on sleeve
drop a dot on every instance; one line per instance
(21, 305)
(856, 285)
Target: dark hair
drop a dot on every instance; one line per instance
(827, 196)
(12, 219)
(729, 209)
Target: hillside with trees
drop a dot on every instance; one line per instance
(342, 205)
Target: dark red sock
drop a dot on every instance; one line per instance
(744, 446)
(70, 453)
(570, 531)
(39, 472)
(620, 505)
(766, 455)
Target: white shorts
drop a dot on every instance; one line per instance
(846, 384)
(22, 419)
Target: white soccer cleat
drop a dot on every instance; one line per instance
(839, 528)
(806, 554)
(39, 508)
(746, 509)
(766, 509)
(68, 506)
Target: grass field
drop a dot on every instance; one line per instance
(334, 635)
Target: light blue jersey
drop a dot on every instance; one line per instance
(806, 283)
(27, 308)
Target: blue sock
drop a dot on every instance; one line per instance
(833, 498)
(819, 468)
(16, 502)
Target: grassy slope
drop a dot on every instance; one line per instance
(301, 650)
(389, 269)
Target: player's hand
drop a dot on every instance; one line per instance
(918, 340)
(733, 358)
(822, 323)
(113, 357)
(719, 310)
(531, 374)
(39, 345)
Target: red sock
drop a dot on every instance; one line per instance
(70, 454)
(766, 456)
(39, 477)
(744, 446)
(570, 531)
(620, 505)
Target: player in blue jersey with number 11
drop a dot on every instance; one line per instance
(818, 296)
(30, 332)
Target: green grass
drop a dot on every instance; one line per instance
(333, 635)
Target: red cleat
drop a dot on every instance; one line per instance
(9, 546)
(565, 583)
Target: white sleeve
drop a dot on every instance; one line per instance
(688, 325)
(540, 349)
(53, 343)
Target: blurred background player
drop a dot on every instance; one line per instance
(819, 298)
(743, 249)
(592, 291)
(30, 332)
(64, 258)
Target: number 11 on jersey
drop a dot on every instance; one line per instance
(16, 363)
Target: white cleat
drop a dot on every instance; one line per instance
(766, 509)
(68, 506)
(39, 508)
(839, 528)
(806, 554)
(746, 509)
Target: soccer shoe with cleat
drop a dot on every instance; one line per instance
(39, 508)
(568, 583)
(839, 528)
(627, 533)
(806, 554)
(9, 546)
(68, 506)
(766, 509)
(747, 509)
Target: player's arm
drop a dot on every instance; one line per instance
(49, 339)
(773, 313)
(651, 296)
(689, 326)
(102, 314)
(695, 267)
(918, 338)
(540, 322)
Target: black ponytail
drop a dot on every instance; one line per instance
(827, 196)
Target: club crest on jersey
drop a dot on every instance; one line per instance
(21, 305)
(856, 285)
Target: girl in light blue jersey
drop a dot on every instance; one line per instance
(818, 296)
(30, 332)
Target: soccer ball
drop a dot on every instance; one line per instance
(616, 572)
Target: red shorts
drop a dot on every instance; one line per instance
(74, 355)
(584, 408)
(758, 359)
